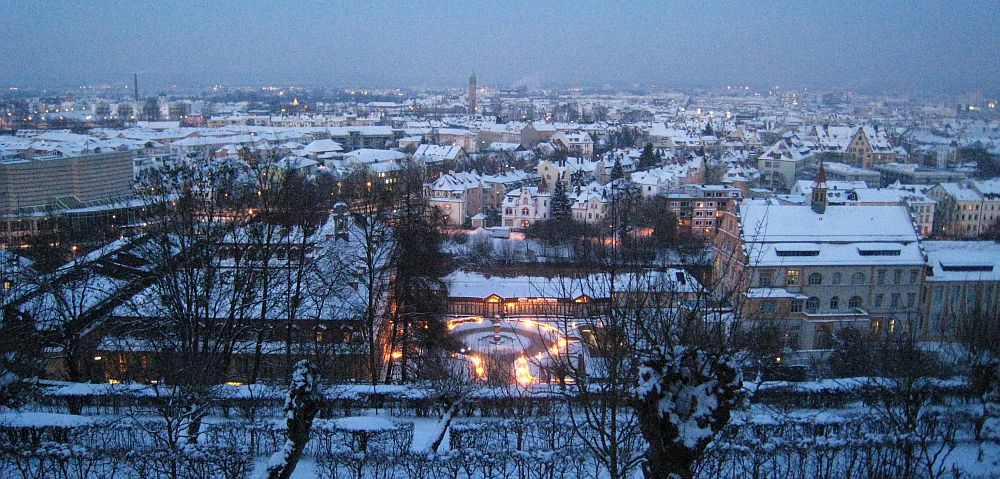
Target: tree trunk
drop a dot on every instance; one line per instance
(301, 406)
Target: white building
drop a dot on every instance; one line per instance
(522, 207)
(816, 269)
(962, 284)
(782, 163)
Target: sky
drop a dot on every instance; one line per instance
(948, 46)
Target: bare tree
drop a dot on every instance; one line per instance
(671, 367)
(195, 315)
(65, 302)
(979, 333)
(20, 343)
(903, 378)
(373, 243)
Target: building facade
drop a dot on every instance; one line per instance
(817, 269)
(47, 181)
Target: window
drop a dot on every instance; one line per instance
(894, 300)
(796, 306)
(878, 300)
(967, 268)
(913, 276)
(812, 304)
(792, 277)
(770, 307)
(764, 278)
(878, 252)
(796, 253)
(815, 279)
(524, 212)
(836, 278)
(911, 298)
(835, 303)
(858, 278)
(881, 276)
(855, 302)
(897, 276)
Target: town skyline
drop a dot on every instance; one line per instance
(603, 240)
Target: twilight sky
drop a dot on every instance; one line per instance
(949, 46)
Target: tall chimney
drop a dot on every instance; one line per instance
(135, 86)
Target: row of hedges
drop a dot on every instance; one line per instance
(63, 461)
(459, 464)
(545, 433)
(421, 399)
(326, 437)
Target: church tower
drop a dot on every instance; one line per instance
(819, 198)
(472, 93)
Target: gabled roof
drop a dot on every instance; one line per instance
(436, 153)
(322, 146)
(460, 181)
(368, 155)
(782, 151)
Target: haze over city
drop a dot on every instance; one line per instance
(947, 47)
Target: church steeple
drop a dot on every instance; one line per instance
(819, 198)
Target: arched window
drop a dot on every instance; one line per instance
(524, 212)
(812, 304)
(836, 278)
(815, 279)
(858, 278)
(855, 302)
(835, 303)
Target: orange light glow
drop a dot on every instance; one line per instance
(477, 364)
(452, 324)
(522, 372)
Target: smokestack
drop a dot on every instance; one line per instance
(135, 86)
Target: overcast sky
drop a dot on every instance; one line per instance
(949, 46)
